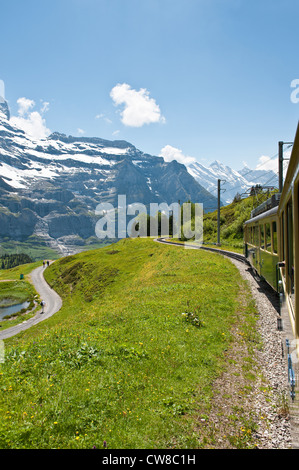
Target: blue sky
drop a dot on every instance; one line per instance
(202, 79)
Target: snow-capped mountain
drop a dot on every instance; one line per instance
(4, 108)
(262, 177)
(232, 182)
(51, 187)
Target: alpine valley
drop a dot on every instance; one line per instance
(50, 188)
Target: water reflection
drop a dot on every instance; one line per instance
(4, 311)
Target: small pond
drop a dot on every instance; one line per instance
(4, 311)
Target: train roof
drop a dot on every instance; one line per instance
(263, 215)
(273, 201)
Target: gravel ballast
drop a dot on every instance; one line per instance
(275, 428)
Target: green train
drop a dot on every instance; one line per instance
(271, 245)
(261, 240)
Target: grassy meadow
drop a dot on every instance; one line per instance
(14, 290)
(131, 357)
(232, 218)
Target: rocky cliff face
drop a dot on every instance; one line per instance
(50, 188)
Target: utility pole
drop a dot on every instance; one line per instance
(218, 211)
(218, 215)
(280, 163)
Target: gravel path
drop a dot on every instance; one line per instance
(50, 297)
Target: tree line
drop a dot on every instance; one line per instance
(13, 260)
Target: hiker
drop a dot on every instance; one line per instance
(44, 264)
(48, 263)
(43, 303)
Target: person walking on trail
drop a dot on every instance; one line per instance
(44, 263)
(43, 303)
(48, 263)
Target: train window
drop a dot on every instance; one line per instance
(274, 234)
(256, 236)
(268, 243)
(262, 235)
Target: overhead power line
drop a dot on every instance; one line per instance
(259, 167)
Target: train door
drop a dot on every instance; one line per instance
(290, 254)
(256, 242)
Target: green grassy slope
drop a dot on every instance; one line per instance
(15, 292)
(232, 218)
(120, 363)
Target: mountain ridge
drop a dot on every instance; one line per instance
(51, 187)
(233, 182)
(36, 173)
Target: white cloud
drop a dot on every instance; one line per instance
(102, 116)
(139, 108)
(24, 105)
(266, 163)
(31, 122)
(170, 153)
(2, 90)
(80, 131)
(45, 107)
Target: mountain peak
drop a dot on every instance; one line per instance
(4, 109)
(216, 164)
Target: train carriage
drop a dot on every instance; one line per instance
(261, 241)
(288, 212)
(271, 241)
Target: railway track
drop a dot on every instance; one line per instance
(230, 254)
